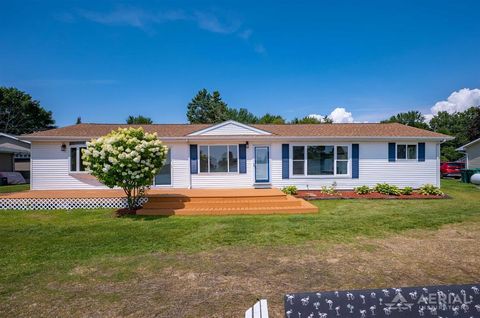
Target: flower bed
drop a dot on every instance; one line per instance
(346, 194)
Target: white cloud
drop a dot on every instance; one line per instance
(146, 20)
(317, 117)
(428, 117)
(338, 115)
(210, 22)
(458, 101)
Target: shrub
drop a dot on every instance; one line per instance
(362, 190)
(430, 189)
(292, 190)
(328, 190)
(407, 190)
(385, 188)
(127, 158)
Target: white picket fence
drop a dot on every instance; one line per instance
(259, 310)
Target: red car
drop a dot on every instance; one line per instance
(451, 169)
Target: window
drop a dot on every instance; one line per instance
(76, 162)
(319, 160)
(219, 158)
(406, 152)
(164, 176)
(298, 160)
(342, 160)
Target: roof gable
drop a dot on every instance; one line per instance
(230, 128)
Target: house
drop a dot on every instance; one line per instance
(472, 154)
(14, 157)
(235, 155)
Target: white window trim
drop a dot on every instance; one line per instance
(78, 154)
(228, 160)
(324, 176)
(406, 151)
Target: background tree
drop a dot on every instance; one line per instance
(271, 119)
(311, 120)
(79, 120)
(206, 108)
(139, 120)
(412, 118)
(241, 115)
(20, 114)
(462, 125)
(473, 130)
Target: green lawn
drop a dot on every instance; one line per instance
(36, 245)
(14, 188)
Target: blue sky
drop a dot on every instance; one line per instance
(105, 60)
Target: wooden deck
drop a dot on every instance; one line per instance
(190, 201)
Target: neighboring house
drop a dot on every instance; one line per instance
(235, 155)
(14, 155)
(472, 154)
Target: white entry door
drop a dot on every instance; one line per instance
(262, 166)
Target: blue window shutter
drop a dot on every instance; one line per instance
(193, 159)
(355, 161)
(421, 151)
(391, 152)
(285, 160)
(242, 154)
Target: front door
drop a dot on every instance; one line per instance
(262, 167)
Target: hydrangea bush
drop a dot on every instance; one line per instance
(128, 158)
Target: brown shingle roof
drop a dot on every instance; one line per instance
(308, 130)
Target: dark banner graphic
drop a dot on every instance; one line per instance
(459, 301)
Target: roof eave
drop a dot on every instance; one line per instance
(236, 137)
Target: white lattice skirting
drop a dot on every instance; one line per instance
(64, 204)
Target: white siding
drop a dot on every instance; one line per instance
(180, 154)
(50, 169)
(374, 168)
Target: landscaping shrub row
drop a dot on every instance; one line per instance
(381, 190)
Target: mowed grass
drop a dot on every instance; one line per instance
(35, 246)
(14, 188)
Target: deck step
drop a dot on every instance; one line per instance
(302, 207)
(214, 199)
(224, 203)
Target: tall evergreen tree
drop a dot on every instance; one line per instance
(79, 120)
(206, 108)
(20, 114)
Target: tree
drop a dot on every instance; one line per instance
(79, 120)
(206, 108)
(271, 119)
(412, 118)
(241, 115)
(311, 120)
(20, 114)
(139, 120)
(127, 158)
(473, 130)
(462, 125)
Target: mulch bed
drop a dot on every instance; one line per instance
(125, 212)
(345, 194)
